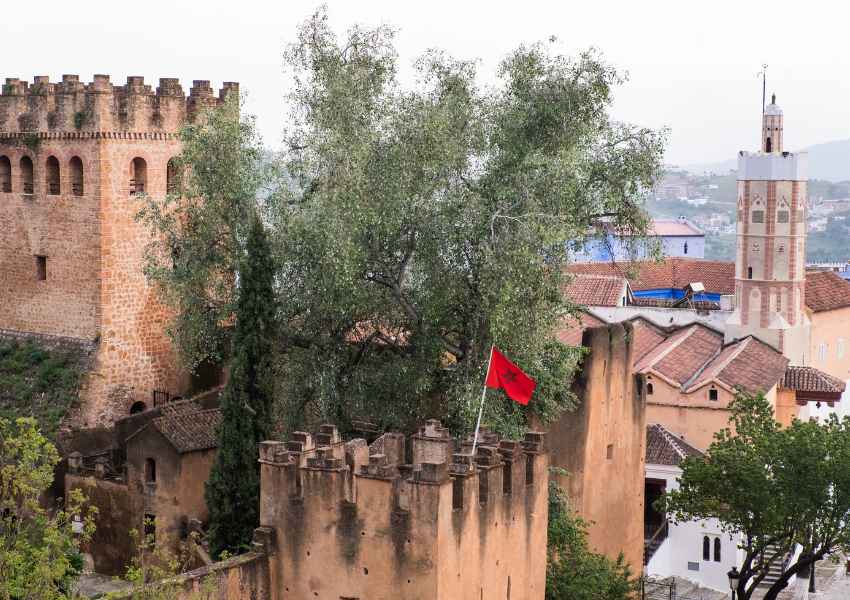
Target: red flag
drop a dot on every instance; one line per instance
(506, 375)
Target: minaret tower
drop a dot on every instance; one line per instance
(770, 259)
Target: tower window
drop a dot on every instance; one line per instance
(782, 216)
(150, 470)
(51, 176)
(706, 548)
(686, 247)
(716, 549)
(749, 272)
(41, 268)
(5, 175)
(76, 166)
(758, 216)
(26, 175)
(768, 147)
(138, 176)
(171, 177)
(712, 394)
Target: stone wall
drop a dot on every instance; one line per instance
(443, 528)
(602, 445)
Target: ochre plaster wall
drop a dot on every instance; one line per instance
(831, 327)
(394, 538)
(610, 417)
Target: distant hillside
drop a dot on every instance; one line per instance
(829, 161)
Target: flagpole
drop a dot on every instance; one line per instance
(481, 408)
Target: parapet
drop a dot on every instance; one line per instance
(773, 166)
(72, 106)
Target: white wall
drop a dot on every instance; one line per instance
(683, 546)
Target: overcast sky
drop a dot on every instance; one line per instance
(693, 66)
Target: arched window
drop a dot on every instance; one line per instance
(150, 470)
(716, 549)
(5, 175)
(686, 247)
(138, 407)
(26, 175)
(138, 176)
(77, 181)
(171, 176)
(51, 176)
(767, 145)
(706, 548)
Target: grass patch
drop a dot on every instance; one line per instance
(37, 382)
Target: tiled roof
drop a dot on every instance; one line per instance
(809, 379)
(189, 431)
(674, 227)
(596, 290)
(572, 328)
(646, 336)
(826, 290)
(664, 448)
(747, 363)
(718, 277)
(682, 354)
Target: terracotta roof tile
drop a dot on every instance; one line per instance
(664, 448)
(572, 328)
(717, 276)
(747, 363)
(596, 290)
(646, 337)
(809, 379)
(674, 227)
(682, 354)
(826, 290)
(190, 431)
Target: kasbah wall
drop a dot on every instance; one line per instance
(602, 445)
(85, 227)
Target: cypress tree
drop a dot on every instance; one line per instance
(233, 489)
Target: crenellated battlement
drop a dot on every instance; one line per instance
(71, 106)
(421, 511)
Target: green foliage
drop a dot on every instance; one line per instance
(80, 119)
(39, 383)
(202, 227)
(573, 572)
(39, 553)
(778, 487)
(233, 488)
(31, 141)
(413, 227)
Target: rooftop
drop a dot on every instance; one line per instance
(826, 290)
(809, 379)
(596, 290)
(717, 276)
(189, 430)
(664, 448)
(674, 227)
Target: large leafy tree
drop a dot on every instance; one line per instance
(415, 226)
(778, 488)
(425, 224)
(233, 488)
(39, 550)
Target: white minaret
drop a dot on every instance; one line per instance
(770, 258)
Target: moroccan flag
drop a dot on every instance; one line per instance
(506, 375)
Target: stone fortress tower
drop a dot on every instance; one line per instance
(74, 158)
(770, 256)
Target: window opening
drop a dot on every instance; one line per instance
(749, 272)
(649, 389)
(706, 548)
(5, 175)
(686, 247)
(150, 528)
(41, 268)
(150, 470)
(26, 175)
(51, 176)
(716, 549)
(77, 187)
(529, 469)
(138, 176)
(507, 480)
(171, 177)
(712, 394)
(758, 216)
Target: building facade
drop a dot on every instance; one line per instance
(75, 161)
(770, 269)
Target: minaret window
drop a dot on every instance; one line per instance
(749, 272)
(758, 216)
(686, 247)
(767, 146)
(782, 216)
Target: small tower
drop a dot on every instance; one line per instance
(770, 259)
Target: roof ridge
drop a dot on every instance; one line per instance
(742, 344)
(673, 345)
